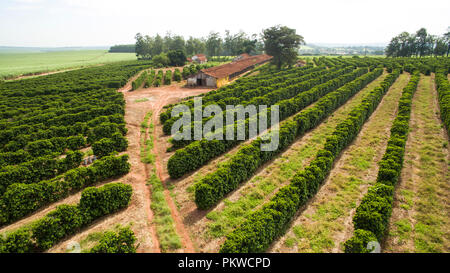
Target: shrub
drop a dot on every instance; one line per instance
(176, 57)
(120, 242)
(359, 242)
(97, 202)
(168, 77)
(106, 146)
(177, 75)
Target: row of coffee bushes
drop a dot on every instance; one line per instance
(122, 241)
(200, 152)
(141, 79)
(443, 89)
(66, 220)
(105, 129)
(268, 99)
(37, 169)
(267, 223)
(107, 146)
(372, 215)
(177, 75)
(168, 77)
(241, 85)
(21, 199)
(150, 79)
(243, 94)
(158, 78)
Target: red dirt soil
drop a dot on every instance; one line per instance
(136, 109)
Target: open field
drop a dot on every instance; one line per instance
(16, 64)
(363, 156)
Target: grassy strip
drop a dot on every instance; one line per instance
(165, 227)
(283, 169)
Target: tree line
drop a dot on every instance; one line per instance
(419, 44)
(212, 45)
(122, 49)
(280, 42)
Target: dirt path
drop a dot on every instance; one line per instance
(419, 221)
(139, 103)
(326, 221)
(163, 176)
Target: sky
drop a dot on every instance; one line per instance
(57, 23)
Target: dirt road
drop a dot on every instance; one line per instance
(138, 103)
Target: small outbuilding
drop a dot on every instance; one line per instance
(241, 57)
(199, 58)
(221, 75)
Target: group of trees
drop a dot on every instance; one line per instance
(419, 44)
(281, 42)
(212, 45)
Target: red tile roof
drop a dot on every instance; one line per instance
(201, 57)
(228, 69)
(242, 56)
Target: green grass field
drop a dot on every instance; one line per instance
(15, 64)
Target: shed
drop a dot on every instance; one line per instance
(199, 58)
(241, 57)
(220, 75)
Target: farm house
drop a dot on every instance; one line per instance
(199, 58)
(220, 75)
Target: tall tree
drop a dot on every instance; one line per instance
(440, 48)
(283, 44)
(447, 40)
(158, 45)
(178, 43)
(421, 42)
(213, 44)
(140, 45)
